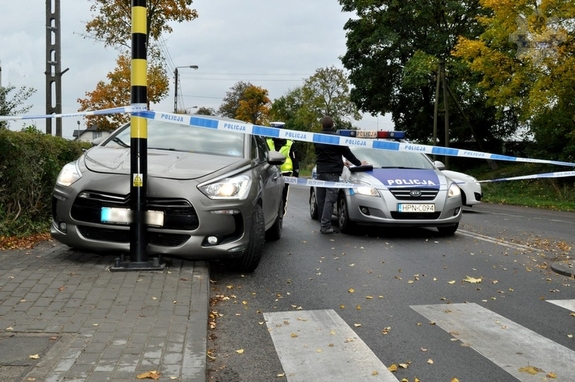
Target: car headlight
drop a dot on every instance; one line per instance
(453, 191)
(230, 188)
(69, 174)
(366, 190)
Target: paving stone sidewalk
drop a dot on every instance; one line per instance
(65, 317)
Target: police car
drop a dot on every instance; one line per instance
(397, 188)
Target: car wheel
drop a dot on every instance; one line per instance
(251, 259)
(345, 225)
(275, 231)
(313, 205)
(448, 230)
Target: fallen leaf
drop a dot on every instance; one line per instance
(392, 368)
(294, 335)
(530, 370)
(430, 361)
(240, 351)
(351, 290)
(149, 375)
(472, 280)
(451, 282)
(34, 356)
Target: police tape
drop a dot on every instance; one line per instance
(114, 110)
(561, 174)
(274, 132)
(319, 183)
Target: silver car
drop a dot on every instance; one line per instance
(218, 195)
(471, 191)
(400, 189)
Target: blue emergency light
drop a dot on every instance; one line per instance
(372, 134)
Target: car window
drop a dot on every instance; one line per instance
(260, 149)
(392, 159)
(174, 137)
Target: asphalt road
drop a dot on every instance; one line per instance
(482, 305)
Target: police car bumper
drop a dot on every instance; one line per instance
(387, 210)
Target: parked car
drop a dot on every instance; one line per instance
(218, 195)
(471, 192)
(399, 189)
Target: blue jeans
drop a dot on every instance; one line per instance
(326, 199)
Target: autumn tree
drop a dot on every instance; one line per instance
(112, 26)
(205, 111)
(393, 53)
(526, 62)
(14, 105)
(254, 106)
(117, 92)
(231, 101)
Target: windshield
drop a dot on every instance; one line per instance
(174, 137)
(392, 159)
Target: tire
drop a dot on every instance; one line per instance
(254, 251)
(448, 230)
(345, 225)
(313, 212)
(275, 231)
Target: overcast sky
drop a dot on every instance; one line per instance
(270, 43)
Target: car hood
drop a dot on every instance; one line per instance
(401, 177)
(161, 164)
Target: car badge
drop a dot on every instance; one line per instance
(415, 193)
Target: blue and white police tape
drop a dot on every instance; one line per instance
(319, 183)
(274, 132)
(114, 110)
(561, 174)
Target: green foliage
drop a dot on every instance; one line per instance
(14, 105)
(393, 52)
(29, 164)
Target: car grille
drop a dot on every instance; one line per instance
(406, 193)
(178, 213)
(414, 215)
(123, 236)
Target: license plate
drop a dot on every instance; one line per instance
(416, 207)
(124, 216)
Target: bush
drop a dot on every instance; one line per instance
(29, 164)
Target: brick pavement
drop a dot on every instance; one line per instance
(101, 325)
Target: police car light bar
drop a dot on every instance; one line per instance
(372, 134)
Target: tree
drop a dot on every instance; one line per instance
(254, 106)
(526, 62)
(324, 93)
(117, 92)
(327, 93)
(231, 101)
(113, 23)
(14, 105)
(393, 52)
(205, 111)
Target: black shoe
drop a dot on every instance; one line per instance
(327, 230)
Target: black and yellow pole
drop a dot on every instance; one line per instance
(138, 147)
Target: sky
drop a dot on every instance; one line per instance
(270, 43)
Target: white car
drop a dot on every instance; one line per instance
(471, 192)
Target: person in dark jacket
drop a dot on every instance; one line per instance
(329, 166)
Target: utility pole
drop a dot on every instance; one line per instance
(53, 66)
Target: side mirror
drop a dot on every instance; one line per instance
(439, 165)
(276, 158)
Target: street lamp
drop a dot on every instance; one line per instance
(176, 84)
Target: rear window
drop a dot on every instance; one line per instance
(174, 137)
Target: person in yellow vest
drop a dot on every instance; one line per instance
(288, 148)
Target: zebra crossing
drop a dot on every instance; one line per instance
(317, 345)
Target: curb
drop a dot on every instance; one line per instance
(564, 267)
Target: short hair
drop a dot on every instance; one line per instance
(326, 122)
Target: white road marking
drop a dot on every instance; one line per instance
(507, 344)
(495, 240)
(567, 304)
(317, 345)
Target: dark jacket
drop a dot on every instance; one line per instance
(328, 157)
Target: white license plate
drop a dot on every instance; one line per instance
(124, 216)
(416, 207)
